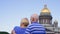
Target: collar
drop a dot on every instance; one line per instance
(34, 22)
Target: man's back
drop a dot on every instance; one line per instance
(35, 28)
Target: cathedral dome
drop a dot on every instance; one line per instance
(45, 11)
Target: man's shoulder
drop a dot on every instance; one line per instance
(30, 25)
(36, 25)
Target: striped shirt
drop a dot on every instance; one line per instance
(35, 28)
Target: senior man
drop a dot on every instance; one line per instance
(35, 27)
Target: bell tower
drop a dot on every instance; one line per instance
(45, 16)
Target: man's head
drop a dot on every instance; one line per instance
(34, 18)
(24, 22)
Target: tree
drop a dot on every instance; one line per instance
(4, 33)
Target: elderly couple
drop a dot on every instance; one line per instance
(26, 28)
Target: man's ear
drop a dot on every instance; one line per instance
(32, 19)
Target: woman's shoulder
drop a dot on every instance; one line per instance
(16, 27)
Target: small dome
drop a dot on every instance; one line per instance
(55, 21)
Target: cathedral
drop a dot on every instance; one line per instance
(45, 18)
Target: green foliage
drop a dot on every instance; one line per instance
(4, 33)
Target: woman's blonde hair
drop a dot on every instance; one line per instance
(25, 21)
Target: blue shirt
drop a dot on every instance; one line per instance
(19, 30)
(35, 28)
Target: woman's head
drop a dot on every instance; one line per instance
(24, 22)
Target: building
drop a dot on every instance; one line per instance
(45, 18)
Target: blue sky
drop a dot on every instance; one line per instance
(12, 11)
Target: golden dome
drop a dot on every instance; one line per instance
(45, 9)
